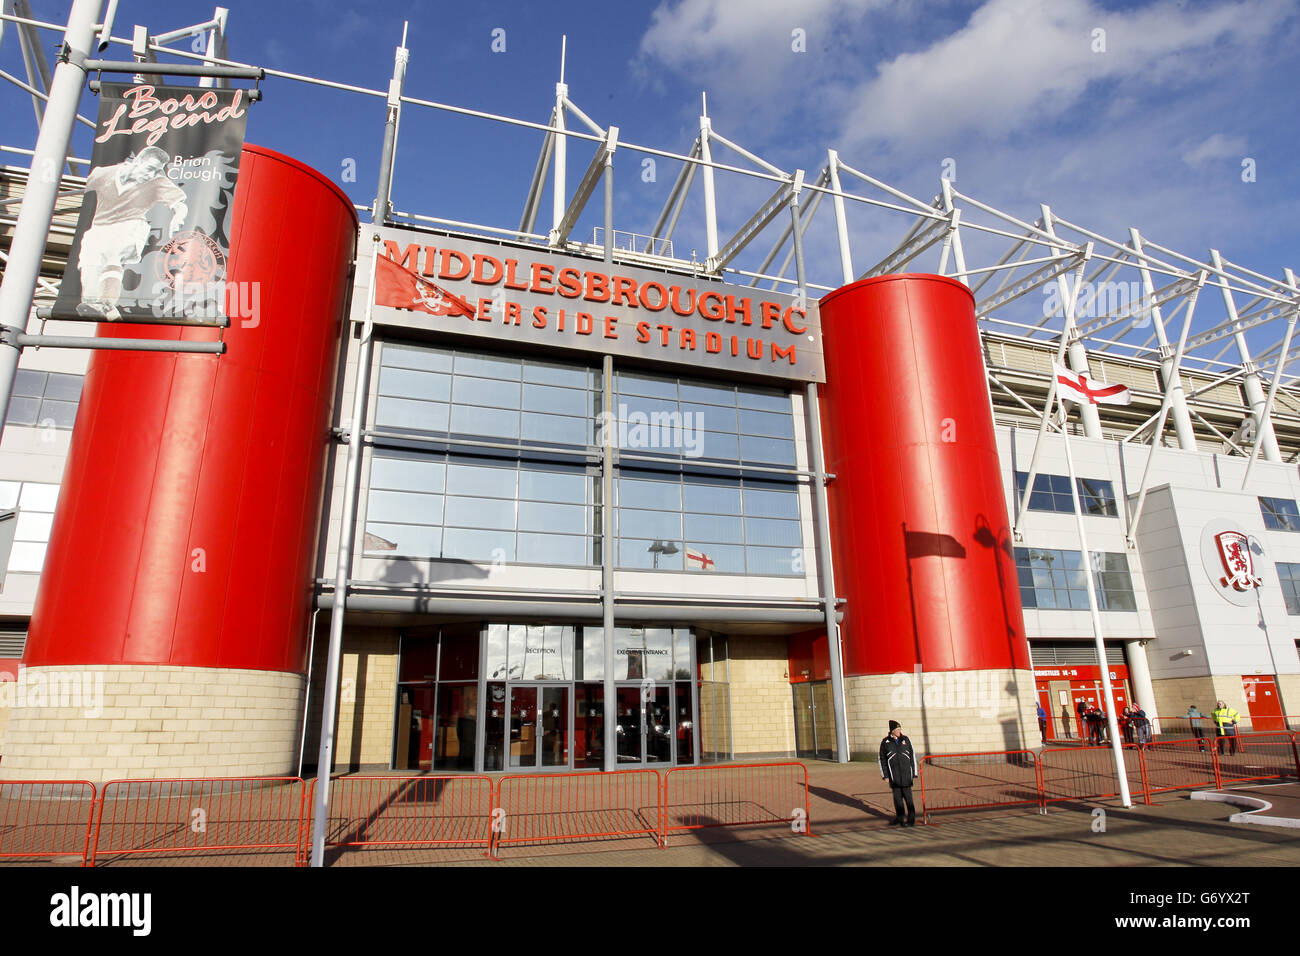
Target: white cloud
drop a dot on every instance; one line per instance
(1217, 146)
(694, 34)
(1018, 62)
(748, 53)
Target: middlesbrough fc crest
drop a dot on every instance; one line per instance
(1238, 563)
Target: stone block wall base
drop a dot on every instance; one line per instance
(1175, 694)
(945, 711)
(138, 721)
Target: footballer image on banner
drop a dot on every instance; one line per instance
(153, 236)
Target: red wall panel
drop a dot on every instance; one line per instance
(173, 453)
(919, 528)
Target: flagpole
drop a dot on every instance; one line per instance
(1067, 310)
(1111, 722)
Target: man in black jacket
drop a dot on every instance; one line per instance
(898, 766)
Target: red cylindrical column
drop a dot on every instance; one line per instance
(919, 528)
(189, 512)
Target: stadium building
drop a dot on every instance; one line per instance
(598, 505)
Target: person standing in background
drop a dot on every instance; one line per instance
(898, 766)
(1196, 720)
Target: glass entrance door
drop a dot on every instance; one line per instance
(814, 727)
(645, 730)
(540, 723)
(823, 719)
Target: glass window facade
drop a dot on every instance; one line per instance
(1052, 493)
(706, 420)
(35, 502)
(489, 503)
(1288, 575)
(1280, 514)
(1051, 579)
(705, 520)
(47, 399)
(484, 458)
(469, 395)
(476, 508)
(681, 521)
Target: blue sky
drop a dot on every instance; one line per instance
(1151, 131)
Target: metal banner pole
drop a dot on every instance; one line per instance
(1111, 722)
(347, 528)
(343, 572)
(824, 560)
(609, 692)
(37, 211)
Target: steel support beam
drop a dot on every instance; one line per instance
(841, 219)
(1277, 377)
(1178, 407)
(1250, 382)
(31, 230)
(710, 203)
(603, 157)
(755, 224)
(382, 210)
(528, 221)
(1077, 354)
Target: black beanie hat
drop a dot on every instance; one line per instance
(894, 725)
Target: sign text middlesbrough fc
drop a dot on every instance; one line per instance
(511, 293)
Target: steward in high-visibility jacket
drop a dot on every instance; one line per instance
(1224, 715)
(1225, 722)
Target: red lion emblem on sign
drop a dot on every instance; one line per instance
(1234, 550)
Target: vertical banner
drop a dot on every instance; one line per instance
(154, 232)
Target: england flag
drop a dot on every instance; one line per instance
(698, 560)
(1077, 387)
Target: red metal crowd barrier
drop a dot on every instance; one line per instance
(1087, 773)
(164, 817)
(1181, 726)
(971, 781)
(1259, 756)
(407, 811)
(975, 780)
(551, 807)
(1179, 765)
(202, 814)
(46, 818)
(735, 795)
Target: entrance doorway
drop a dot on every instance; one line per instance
(1262, 703)
(814, 719)
(539, 726)
(1084, 694)
(644, 731)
